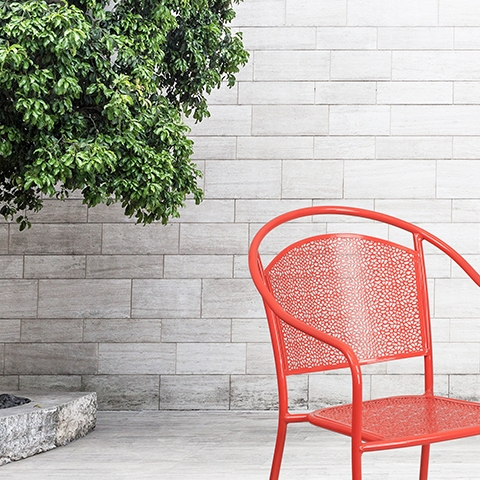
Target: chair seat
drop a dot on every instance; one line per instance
(419, 418)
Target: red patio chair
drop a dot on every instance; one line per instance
(347, 300)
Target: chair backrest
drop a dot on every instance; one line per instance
(361, 290)
(367, 292)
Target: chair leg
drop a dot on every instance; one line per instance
(424, 462)
(279, 446)
(356, 464)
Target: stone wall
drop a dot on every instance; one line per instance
(371, 103)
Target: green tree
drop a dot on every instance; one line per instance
(92, 94)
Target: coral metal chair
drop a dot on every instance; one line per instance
(347, 300)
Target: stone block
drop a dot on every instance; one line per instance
(456, 179)
(456, 298)
(435, 65)
(311, 12)
(124, 266)
(50, 358)
(259, 392)
(243, 179)
(275, 147)
(272, 13)
(211, 358)
(4, 233)
(10, 330)
(421, 148)
(225, 298)
(264, 210)
(194, 392)
(114, 213)
(219, 148)
(125, 392)
(290, 120)
(417, 38)
(57, 211)
(280, 93)
(279, 38)
(312, 179)
(359, 120)
(209, 211)
(84, 298)
(361, 65)
(214, 239)
(250, 330)
(18, 298)
(168, 298)
(50, 331)
(55, 266)
(196, 330)
(224, 120)
(292, 66)
(390, 179)
(198, 266)
(456, 358)
(346, 93)
(459, 12)
(51, 383)
(58, 239)
(154, 239)
(391, 13)
(424, 210)
(339, 148)
(49, 421)
(122, 330)
(467, 38)
(390, 385)
(260, 359)
(416, 93)
(346, 38)
(331, 389)
(11, 266)
(136, 358)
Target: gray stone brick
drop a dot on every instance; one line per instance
(18, 298)
(57, 211)
(124, 392)
(124, 266)
(63, 239)
(136, 358)
(211, 358)
(236, 298)
(11, 266)
(214, 239)
(175, 298)
(198, 266)
(194, 392)
(4, 232)
(49, 331)
(56, 383)
(123, 330)
(84, 298)
(196, 330)
(50, 359)
(9, 331)
(58, 266)
(130, 239)
(9, 383)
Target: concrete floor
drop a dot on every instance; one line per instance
(227, 446)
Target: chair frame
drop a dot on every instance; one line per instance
(274, 312)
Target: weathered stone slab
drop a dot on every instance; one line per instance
(50, 420)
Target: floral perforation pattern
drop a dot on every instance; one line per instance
(358, 289)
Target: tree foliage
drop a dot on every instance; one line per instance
(92, 94)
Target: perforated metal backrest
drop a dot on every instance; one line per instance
(362, 290)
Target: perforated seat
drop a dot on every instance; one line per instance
(346, 300)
